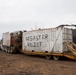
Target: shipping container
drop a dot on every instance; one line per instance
(54, 42)
(47, 40)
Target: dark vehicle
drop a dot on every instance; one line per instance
(12, 42)
(55, 42)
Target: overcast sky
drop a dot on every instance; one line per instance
(31, 14)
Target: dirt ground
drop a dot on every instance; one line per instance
(21, 64)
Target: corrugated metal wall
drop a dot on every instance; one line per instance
(47, 40)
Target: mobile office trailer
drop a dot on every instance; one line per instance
(49, 42)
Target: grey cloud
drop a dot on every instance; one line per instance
(28, 14)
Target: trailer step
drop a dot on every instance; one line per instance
(70, 48)
(70, 56)
(73, 44)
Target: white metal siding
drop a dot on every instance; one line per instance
(57, 43)
(6, 39)
(67, 37)
(38, 40)
(50, 40)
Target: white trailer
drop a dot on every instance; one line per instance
(6, 39)
(47, 40)
(51, 41)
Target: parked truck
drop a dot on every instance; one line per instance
(50, 42)
(12, 42)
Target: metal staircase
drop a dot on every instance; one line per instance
(72, 54)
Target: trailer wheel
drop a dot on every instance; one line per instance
(11, 51)
(48, 57)
(8, 51)
(5, 50)
(56, 57)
